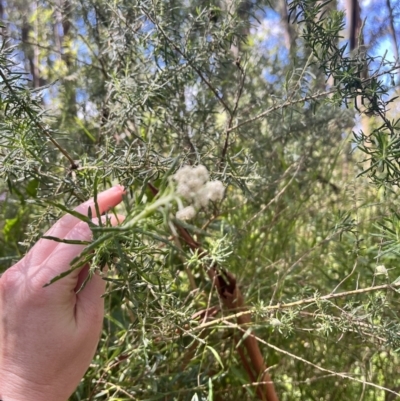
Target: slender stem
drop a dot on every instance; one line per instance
(235, 109)
(149, 210)
(289, 102)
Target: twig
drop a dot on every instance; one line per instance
(121, 358)
(347, 277)
(281, 106)
(294, 304)
(338, 374)
(361, 326)
(235, 108)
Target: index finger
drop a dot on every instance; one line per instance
(106, 200)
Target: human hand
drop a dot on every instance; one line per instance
(48, 335)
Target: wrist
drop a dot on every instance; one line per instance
(27, 395)
(21, 390)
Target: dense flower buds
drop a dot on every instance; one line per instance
(193, 186)
(186, 213)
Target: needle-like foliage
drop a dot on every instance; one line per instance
(274, 275)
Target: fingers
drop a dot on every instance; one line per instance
(59, 259)
(43, 248)
(89, 307)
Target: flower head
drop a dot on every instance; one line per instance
(190, 180)
(186, 213)
(215, 190)
(212, 191)
(193, 185)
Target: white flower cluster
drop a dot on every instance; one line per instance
(194, 186)
(381, 269)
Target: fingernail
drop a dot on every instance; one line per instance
(118, 188)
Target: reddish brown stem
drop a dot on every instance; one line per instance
(231, 297)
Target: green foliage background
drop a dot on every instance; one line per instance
(94, 93)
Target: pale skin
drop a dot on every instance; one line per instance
(48, 335)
